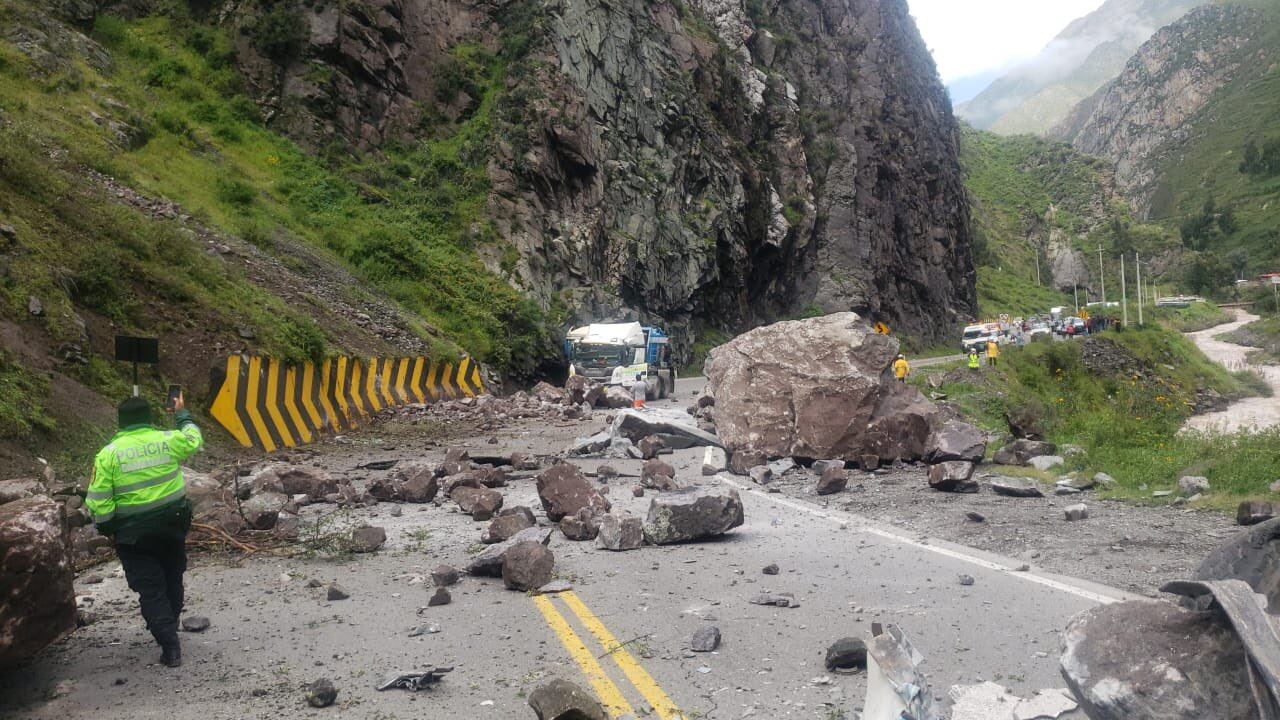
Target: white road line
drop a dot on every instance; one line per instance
(946, 549)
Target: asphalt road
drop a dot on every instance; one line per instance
(270, 633)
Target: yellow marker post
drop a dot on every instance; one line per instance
(639, 677)
(614, 703)
(224, 404)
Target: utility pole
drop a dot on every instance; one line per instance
(1137, 260)
(1075, 291)
(1124, 294)
(1102, 275)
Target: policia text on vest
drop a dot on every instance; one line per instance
(139, 497)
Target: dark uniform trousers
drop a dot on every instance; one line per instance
(154, 567)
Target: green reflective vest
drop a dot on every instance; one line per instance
(973, 361)
(137, 478)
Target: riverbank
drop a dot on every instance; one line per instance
(1254, 413)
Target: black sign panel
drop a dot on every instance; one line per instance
(137, 350)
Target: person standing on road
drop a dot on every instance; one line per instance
(975, 363)
(993, 352)
(639, 389)
(137, 495)
(901, 368)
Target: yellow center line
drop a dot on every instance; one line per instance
(616, 705)
(639, 677)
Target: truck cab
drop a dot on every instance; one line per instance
(614, 353)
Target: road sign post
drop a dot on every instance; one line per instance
(137, 350)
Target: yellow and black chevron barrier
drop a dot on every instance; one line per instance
(267, 404)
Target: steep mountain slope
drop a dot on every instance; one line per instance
(1034, 96)
(388, 176)
(1178, 124)
(1041, 209)
(705, 164)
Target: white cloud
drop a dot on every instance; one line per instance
(969, 37)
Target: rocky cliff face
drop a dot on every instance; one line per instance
(709, 163)
(1140, 118)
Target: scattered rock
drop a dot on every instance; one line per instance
(714, 461)
(782, 600)
(966, 580)
(605, 473)
(1020, 452)
(705, 639)
(555, 586)
(955, 476)
(741, 462)
(1079, 511)
(337, 592)
(1103, 480)
(658, 475)
(770, 569)
(692, 514)
(37, 603)
(1252, 512)
(195, 623)
(489, 562)
(480, 503)
(440, 597)
(1193, 484)
(833, 480)
(562, 700)
(761, 475)
(581, 526)
(651, 446)
(620, 532)
(445, 575)
(1045, 463)
(956, 440)
(1146, 660)
(368, 539)
(505, 526)
(17, 489)
(975, 516)
(321, 693)
(869, 463)
(564, 490)
(847, 655)
(637, 491)
(34, 306)
(1009, 488)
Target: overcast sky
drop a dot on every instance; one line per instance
(979, 37)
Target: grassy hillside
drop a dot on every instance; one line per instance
(1124, 414)
(1208, 164)
(1026, 191)
(155, 105)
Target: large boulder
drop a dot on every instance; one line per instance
(817, 388)
(19, 488)
(692, 514)
(1153, 660)
(528, 565)
(37, 600)
(1252, 555)
(564, 490)
(294, 480)
(673, 427)
(956, 440)
(953, 476)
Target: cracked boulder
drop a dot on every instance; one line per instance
(564, 490)
(37, 601)
(817, 388)
(956, 440)
(1252, 555)
(1154, 660)
(692, 514)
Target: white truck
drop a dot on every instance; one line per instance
(614, 353)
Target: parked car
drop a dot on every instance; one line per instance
(1040, 331)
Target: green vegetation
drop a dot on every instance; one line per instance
(1232, 157)
(407, 220)
(1029, 193)
(708, 340)
(1126, 423)
(1194, 317)
(22, 401)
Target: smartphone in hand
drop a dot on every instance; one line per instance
(171, 402)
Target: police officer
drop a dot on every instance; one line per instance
(138, 496)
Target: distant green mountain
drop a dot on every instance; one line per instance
(1037, 94)
(1041, 209)
(1192, 126)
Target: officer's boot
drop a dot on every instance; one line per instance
(171, 655)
